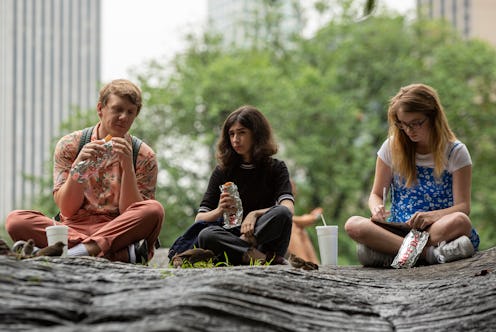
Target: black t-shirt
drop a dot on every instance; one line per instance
(259, 188)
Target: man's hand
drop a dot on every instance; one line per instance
(91, 151)
(123, 151)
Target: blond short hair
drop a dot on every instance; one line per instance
(122, 88)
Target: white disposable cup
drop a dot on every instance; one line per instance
(58, 233)
(328, 244)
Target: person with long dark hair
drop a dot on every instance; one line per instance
(244, 154)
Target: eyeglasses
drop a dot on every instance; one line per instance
(414, 125)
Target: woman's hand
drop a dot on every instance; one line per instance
(226, 203)
(248, 225)
(379, 213)
(422, 220)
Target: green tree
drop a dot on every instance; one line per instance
(326, 98)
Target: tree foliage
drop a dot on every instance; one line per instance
(326, 98)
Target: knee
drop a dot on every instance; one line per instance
(153, 210)
(284, 214)
(14, 222)
(297, 230)
(354, 227)
(206, 237)
(455, 225)
(463, 222)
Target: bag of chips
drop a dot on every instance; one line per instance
(410, 249)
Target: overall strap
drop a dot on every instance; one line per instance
(452, 148)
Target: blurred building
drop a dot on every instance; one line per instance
(242, 22)
(472, 18)
(49, 66)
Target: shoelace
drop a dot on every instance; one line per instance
(450, 248)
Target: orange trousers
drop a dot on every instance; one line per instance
(113, 235)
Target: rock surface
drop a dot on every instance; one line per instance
(92, 294)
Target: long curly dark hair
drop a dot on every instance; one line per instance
(264, 145)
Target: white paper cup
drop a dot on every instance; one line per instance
(328, 244)
(58, 233)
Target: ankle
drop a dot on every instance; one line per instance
(431, 257)
(92, 248)
(78, 250)
(249, 239)
(252, 255)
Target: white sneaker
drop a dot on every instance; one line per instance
(372, 258)
(457, 249)
(17, 247)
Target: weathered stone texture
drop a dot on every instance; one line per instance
(91, 294)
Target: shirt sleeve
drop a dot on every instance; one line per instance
(282, 183)
(64, 156)
(211, 197)
(459, 157)
(146, 171)
(385, 153)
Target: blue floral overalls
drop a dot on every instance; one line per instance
(428, 194)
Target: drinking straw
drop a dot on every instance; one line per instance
(323, 220)
(384, 196)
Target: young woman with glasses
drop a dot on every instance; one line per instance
(428, 172)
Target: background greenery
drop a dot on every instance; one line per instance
(326, 98)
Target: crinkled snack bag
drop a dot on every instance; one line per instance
(86, 168)
(234, 217)
(410, 250)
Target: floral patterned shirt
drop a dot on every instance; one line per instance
(102, 190)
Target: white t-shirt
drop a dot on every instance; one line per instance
(458, 156)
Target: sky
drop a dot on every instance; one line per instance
(135, 31)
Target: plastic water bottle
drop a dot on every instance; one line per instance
(233, 217)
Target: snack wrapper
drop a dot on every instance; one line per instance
(83, 170)
(234, 217)
(410, 250)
